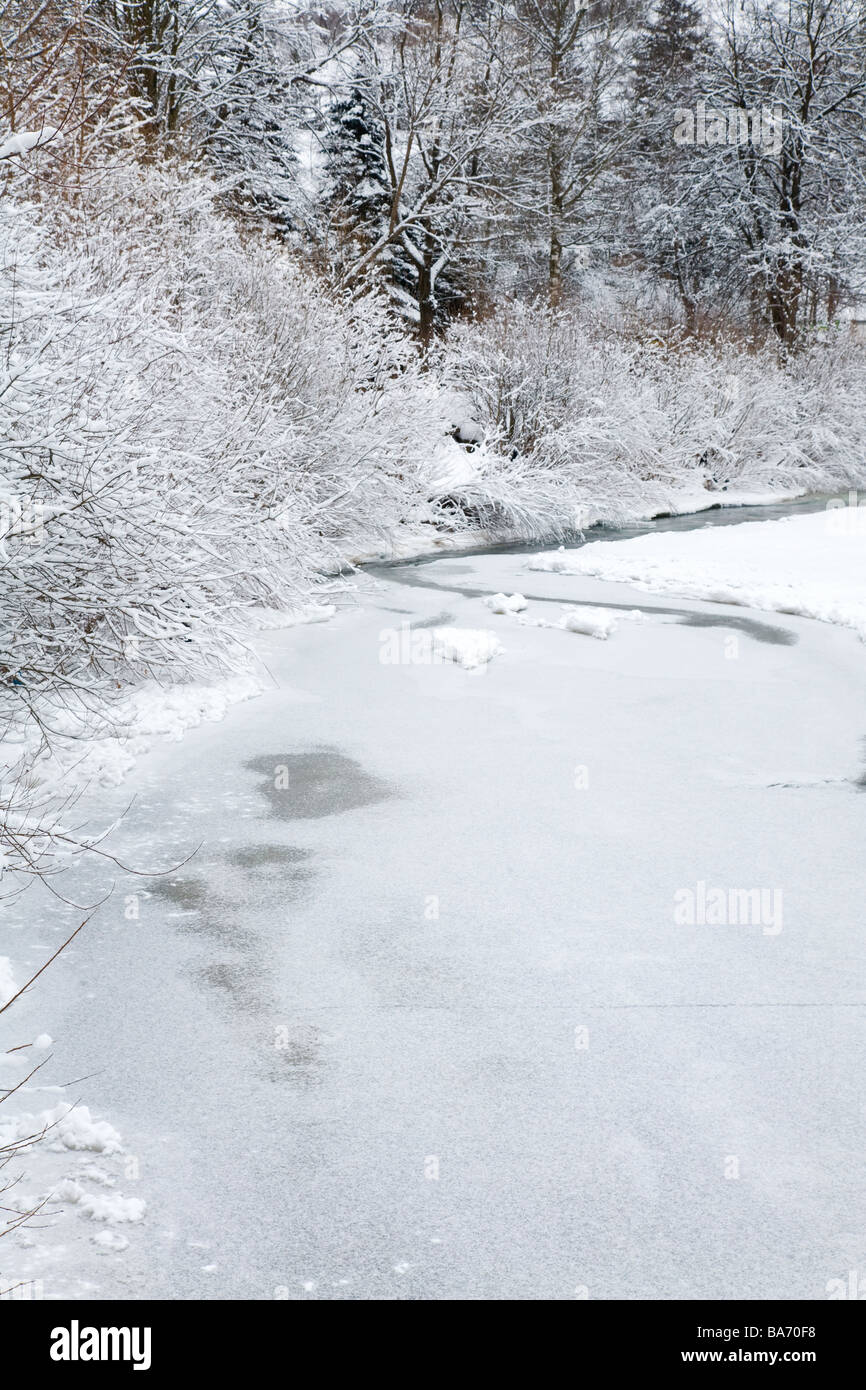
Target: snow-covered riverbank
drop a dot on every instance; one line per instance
(811, 565)
(414, 539)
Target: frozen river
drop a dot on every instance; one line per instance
(421, 1017)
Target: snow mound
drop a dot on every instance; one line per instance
(591, 622)
(559, 561)
(109, 1207)
(588, 620)
(468, 647)
(68, 1127)
(110, 1240)
(506, 603)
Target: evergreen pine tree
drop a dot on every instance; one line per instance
(673, 201)
(356, 186)
(670, 57)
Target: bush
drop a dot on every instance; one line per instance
(584, 423)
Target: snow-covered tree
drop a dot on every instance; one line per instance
(673, 192)
(568, 127)
(355, 195)
(62, 87)
(441, 102)
(794, 198)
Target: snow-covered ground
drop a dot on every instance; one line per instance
(537, 976)
(811, 565)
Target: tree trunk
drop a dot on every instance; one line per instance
(784, 297)
(554, 273)
(425, 292)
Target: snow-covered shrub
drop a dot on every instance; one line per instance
(188, 430)
(610, 426)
